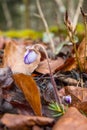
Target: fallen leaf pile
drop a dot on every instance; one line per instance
(26, 90)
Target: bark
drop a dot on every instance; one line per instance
(7, 14)
(26, 14)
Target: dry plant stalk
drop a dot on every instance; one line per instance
(57, 98)
(85, 24)
(77, 13)
(71, 34)
(76, 17)
(45, 25)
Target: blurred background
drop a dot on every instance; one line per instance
(23, 15)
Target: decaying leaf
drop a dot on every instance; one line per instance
(67, 78)
(81, 49)
(72, 120)
(69, 64)
(54, 64)
(48, 93)
(5, 77)
(14, 58)
(30, 90)
(14, 120)
(82, 107)
(83, 54)
(72, 64)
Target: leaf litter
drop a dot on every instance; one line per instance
(27, 93)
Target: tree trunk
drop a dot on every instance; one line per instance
(71, 8)
(7, 14)
(26, 3)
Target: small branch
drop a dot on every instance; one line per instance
(36, 15)
(45, 25)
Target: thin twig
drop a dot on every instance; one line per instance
(36, 15)
(45, 25)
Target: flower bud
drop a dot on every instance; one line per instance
(30, 56)
(67, 99)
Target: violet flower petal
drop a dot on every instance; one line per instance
(30, 56)
(67, 99)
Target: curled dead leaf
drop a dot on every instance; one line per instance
(69, 64)
(82, 53)
(14, 58)
(54, 64)
(14, 120)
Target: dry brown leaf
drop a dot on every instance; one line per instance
(43, 66)
(4, 41)
(82, 107)
(14, 58)
(78, 92)
(79, 97)
(81, 49)
(30, 90)
(36, 128)
(83, 53)
(73, 92)
(66, 79)
(69, 64)
(14, 120)
(72, 120)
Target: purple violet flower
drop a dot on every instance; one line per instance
(67, 99)
(30, 56)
